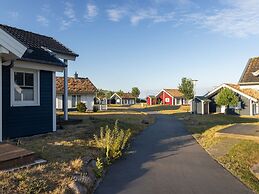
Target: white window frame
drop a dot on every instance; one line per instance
(167, 99)
(36, 85)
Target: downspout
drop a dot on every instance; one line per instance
(65, 102)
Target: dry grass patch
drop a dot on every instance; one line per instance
(63, 150)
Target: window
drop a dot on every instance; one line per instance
(24, 87)
(78, 99)
(73, 101)
(167, 99)
(178, 101)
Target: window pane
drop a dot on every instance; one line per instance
(18, 78)
(28, 79)
(17, 95)
(73, 101)
(28, 94)
(78, 99)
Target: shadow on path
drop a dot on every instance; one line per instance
(165, 158)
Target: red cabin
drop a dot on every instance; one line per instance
(170, 97)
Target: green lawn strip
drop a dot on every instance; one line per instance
(59, 149)
(239, 160)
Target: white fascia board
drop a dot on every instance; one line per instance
(11, 44)
(66, 57)
(233, 89)
(115, 94)
(3, 50)
(163, 90)
(38, 66)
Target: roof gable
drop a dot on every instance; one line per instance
(248, 93)
(76, 85)
(124, 95)
(251, 67)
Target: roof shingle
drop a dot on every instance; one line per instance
(252, 66)
(75, 85)
(33, 40)
(250, 92)
(174, 92)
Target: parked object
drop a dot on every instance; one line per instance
(124, 99)
(79, 90)
(28, 66)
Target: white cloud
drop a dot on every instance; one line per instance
(151, 14)
(13, 14)
(239, 19)
(91, 11)
(116, 14)
(42, 20)
(69, 16)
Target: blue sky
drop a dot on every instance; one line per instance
(151, 44)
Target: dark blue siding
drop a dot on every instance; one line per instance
(26, 121)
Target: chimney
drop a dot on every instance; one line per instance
(76, 75)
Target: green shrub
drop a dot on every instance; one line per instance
(99, 168)
(112, 141)
(81, 107)
(95, 109)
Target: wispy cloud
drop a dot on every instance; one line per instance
(116, 14)
(151, 14)
(91, 12)
(42, 20)
(69, 16)
(13, 14)
(239, 19)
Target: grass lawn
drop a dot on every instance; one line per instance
(62, 147)
(235, 155)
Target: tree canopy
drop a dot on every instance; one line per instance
(135, 92)
(187, 88)
(226, 97)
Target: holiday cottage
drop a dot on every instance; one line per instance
(28, 66)
(124, 99)
(247, 91)
(79, 90)
(170, 97)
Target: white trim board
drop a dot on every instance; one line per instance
(11, 44)
(115, 94)
(233, 89)
(36, 66)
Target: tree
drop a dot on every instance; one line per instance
(187, 88)
(120, 92)
(226, 97)
(135, 92)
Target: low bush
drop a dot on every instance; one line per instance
(76, 165)
(81, 107)
(112, 141)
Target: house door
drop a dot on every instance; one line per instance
(223, 109)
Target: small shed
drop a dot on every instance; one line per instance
(151, 100)
(200, 105)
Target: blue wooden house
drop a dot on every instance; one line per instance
(28, 66)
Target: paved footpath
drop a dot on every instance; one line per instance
(165, 159)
